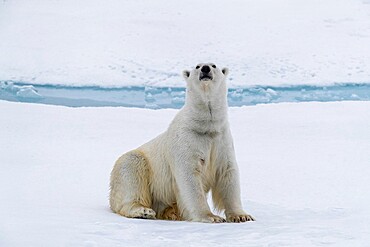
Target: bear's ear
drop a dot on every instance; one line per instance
(186, 74)
(225, 71)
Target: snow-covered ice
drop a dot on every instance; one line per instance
(19, 92)
(136, 42)
(305, 167)
(304, 174)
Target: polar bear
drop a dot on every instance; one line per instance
(169, 177)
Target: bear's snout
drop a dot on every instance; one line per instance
(205, 73)
(206, 69)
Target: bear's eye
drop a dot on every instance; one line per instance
(197, 67)
(213, 66)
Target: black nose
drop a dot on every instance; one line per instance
(206, 69)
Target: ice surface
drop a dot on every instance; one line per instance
(21, 93)
(304, 175)
(119, 43)
(304, 167)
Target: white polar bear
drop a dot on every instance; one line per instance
(169, 177)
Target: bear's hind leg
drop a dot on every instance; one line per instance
(130, 193)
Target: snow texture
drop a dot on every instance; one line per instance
(304, 176)
(135, 42)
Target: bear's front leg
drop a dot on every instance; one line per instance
(192, 198)
(226, 190)
(226, 194)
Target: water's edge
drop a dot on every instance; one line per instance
(170, 97)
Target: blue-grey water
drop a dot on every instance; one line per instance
(169, 97)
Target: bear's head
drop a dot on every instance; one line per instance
(206, 77)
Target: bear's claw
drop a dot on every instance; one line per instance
(239, 218)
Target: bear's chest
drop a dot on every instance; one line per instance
(208, 128)
(207, 158)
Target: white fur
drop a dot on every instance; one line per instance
(170, 176)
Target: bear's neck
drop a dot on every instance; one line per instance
(206, 101)
(206, 113)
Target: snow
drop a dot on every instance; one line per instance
(304, 176)
(304, 167)
(117, 43)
